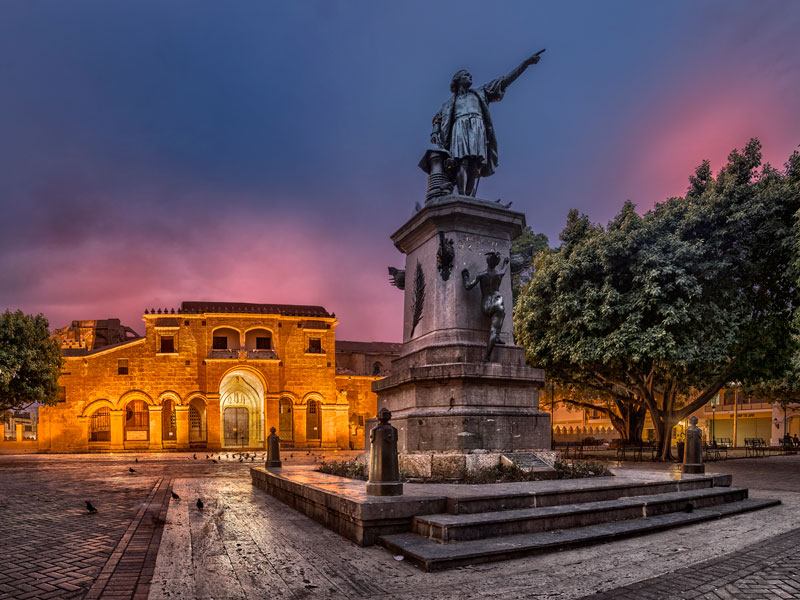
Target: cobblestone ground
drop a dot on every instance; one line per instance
(251, 546)
(52, 547)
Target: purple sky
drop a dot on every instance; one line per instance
(154, 152)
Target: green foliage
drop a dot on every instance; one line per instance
(499, 473)
(528, 244)
(659, 311)
(564, 470)
(345, 468)
(30, 361)
(579, 469)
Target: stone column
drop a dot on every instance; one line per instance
(300, 416)
(213, 423)
(182, 426)
(20, 431)
(83, 423)
(117, 418)
(328, 433)
(156, 433)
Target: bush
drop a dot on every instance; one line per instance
(346, 468)
(495, 474)
(580, 468)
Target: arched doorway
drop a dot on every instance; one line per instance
(137, 421)
(169, 423)
(100, 425)
(197, 422)
(286, 420)
(241, 403)
(314, 421)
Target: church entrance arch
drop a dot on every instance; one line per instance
(241, 398)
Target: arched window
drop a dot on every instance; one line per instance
(100, 425)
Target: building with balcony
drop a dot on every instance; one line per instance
(216, 376)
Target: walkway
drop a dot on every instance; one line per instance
(244, 544)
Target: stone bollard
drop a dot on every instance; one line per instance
(693, 451)
(384, 471)
(273, 450)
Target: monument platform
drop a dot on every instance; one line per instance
(461, 393)
(439, 526)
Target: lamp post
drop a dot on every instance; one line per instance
(714, 403)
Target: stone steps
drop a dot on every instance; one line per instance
(604, 488)
(431, 555)
(445, 528)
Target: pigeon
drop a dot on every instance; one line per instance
(131, 470)
(175, 496)
(199, 504)
(214, 461)
(241, 459)
(90, 507)
(252, 458)
(194, 456)
(136, 460)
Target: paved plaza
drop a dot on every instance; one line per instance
(244, 544)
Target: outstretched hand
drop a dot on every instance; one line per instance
(535, 58)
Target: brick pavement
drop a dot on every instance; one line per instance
(767, 570)
(50, 547)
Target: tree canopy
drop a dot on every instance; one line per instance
(30, 361)
(660, 311)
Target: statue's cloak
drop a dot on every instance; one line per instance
(490, 92)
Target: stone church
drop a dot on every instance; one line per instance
(213, 376)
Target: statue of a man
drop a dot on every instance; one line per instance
(491, 299)
(464, 127)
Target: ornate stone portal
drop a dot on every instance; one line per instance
(454, 409)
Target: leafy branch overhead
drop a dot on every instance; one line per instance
(418, 301)
(660, 311)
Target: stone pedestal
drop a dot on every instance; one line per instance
(454, 410)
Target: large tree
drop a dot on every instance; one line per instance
(660, 311)
(30, 361)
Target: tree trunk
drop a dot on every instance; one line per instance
(664, 434)
(634, 422)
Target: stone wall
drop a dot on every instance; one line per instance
(209, 380)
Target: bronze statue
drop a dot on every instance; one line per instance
(492, 301)
(464, 128)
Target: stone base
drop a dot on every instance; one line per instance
(455, 465)
(384, 488)
(273, 464)
(470, 430)
(693, 468)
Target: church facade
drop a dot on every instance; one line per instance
(216, 376)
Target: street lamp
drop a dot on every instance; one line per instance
(714, 402)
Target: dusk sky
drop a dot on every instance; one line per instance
(254, 151)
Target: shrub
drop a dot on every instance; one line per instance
(346, 468)
(580, 468)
